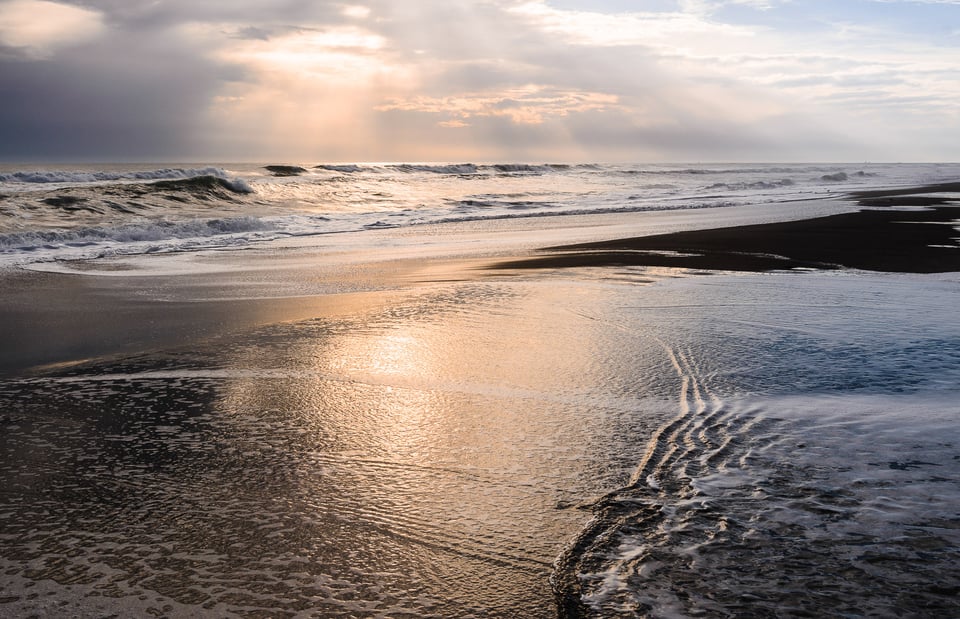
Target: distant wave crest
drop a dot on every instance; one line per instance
(456, 168)
(459, 169)
(348, 168)
(785, 182)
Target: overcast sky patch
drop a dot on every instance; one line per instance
(665, 80)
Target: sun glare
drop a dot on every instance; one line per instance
(346, 53)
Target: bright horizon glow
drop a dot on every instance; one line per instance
(481, 80)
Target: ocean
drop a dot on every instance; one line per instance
(309, 391)
(70, 212)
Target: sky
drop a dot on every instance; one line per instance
(480, 80)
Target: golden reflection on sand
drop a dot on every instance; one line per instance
(437, 377)
(391, 354)
(406, 415)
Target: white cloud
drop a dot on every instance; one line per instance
(676, 30)
(528, 105)
(356, 11)
(42, 27)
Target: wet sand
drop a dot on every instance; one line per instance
(420, 453)
(890, 238)
(57, 318)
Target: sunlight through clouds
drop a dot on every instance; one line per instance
(344, 52)
(376, 80)
(306, 88)
(530, 64)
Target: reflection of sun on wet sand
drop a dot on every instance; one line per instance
(918, 240)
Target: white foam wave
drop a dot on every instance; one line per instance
(100, 176)
(111, 205)
(239, 185)
(453, 169)
(112, 238)
(520, 211)
(349, 168)
(518, 168)
(457, 168)
(784, 182)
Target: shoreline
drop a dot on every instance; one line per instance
(130, 304)
(73, 311)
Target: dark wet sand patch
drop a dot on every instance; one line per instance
(894, 239)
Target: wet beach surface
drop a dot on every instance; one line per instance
(624, 439)
(415, 459)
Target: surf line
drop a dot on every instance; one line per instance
(638, 504)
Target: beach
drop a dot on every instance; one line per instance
(480, 309)
(745, 410)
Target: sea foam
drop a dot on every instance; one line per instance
(341, 197)
(73, 176)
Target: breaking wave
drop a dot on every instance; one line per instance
(350, 168)
(204, 184)
(111, 239)
(133, 204)
(785, 182)
(99, 176)
(285, 170)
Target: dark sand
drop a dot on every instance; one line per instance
(56, 318)
(902, 240)
(85, 313)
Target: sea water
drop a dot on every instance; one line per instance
(65, 212)
(812, 467)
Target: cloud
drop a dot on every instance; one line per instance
(669, 30)
(39, 27)
(526, 105)
(433, 79)
(356, 11)
(122, 95)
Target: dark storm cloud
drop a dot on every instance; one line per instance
(105, 101)
(151, 15)
(141, 90)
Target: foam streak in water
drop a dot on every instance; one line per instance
(819, 504)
